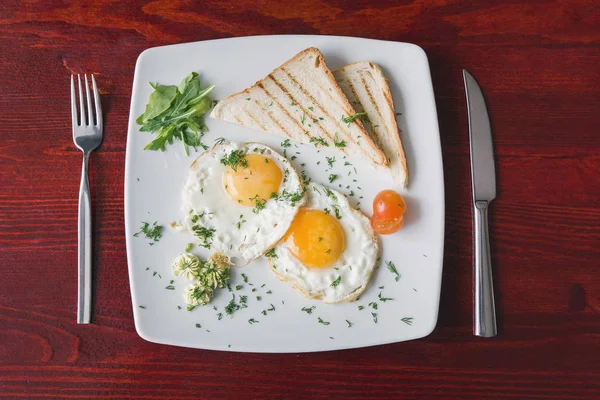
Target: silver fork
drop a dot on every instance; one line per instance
(87, 135)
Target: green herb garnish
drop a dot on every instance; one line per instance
(285, 143)
(349, 324)
(153, 232)
(232, 306)
(329, 193)
(350, 119)
(176, 112)
(259, 205)
(189, 247)
(383, 299)
(323, 322)
(337, 211)
(318, 141)
(337, 142)
(308, 310)
(252, 321)
(305, 179)
(293, 197)
(336, 281)
(240, 222)
(330, 161)
(234, 159)
(407, 320)
(333, 177)
(374, 317)
(390, 266)
(205, 234)
(271, 253)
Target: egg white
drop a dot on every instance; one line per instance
(204, 194)
(355, 265)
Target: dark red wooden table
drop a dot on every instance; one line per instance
(539, 65)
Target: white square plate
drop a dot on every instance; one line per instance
(154, 180)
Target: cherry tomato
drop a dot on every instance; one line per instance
(386, 227)
(388, 212)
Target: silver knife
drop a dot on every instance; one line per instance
(483, 178)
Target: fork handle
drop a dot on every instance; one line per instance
(485, 309)
(84, 290)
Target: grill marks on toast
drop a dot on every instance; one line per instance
(256, 121)
(376, 106)
(298, 103)
(269, 115)
(361, 108)
(318, 105)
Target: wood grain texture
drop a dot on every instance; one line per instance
(538, 65)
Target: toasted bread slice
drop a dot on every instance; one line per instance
(368, 91)
(301, 100)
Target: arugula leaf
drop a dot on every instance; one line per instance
(160, 100)
(177, 112)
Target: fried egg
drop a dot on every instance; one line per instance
(240, 199)
(330, 249)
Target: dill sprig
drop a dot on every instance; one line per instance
(234, 159)
(390, 266)
(271, 253)
(318, 141)
(152, 232)
(350, 119)
(205, 234)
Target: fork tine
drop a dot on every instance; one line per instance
(97, 104)
(81, 105)
(73, 103)
(90, 115)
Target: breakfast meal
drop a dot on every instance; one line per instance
(244, 201)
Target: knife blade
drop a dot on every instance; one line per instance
(483, 172)
(483, 180)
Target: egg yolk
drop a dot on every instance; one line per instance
(315, 238)
(255, 182)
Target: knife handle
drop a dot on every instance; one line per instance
(484, 307)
